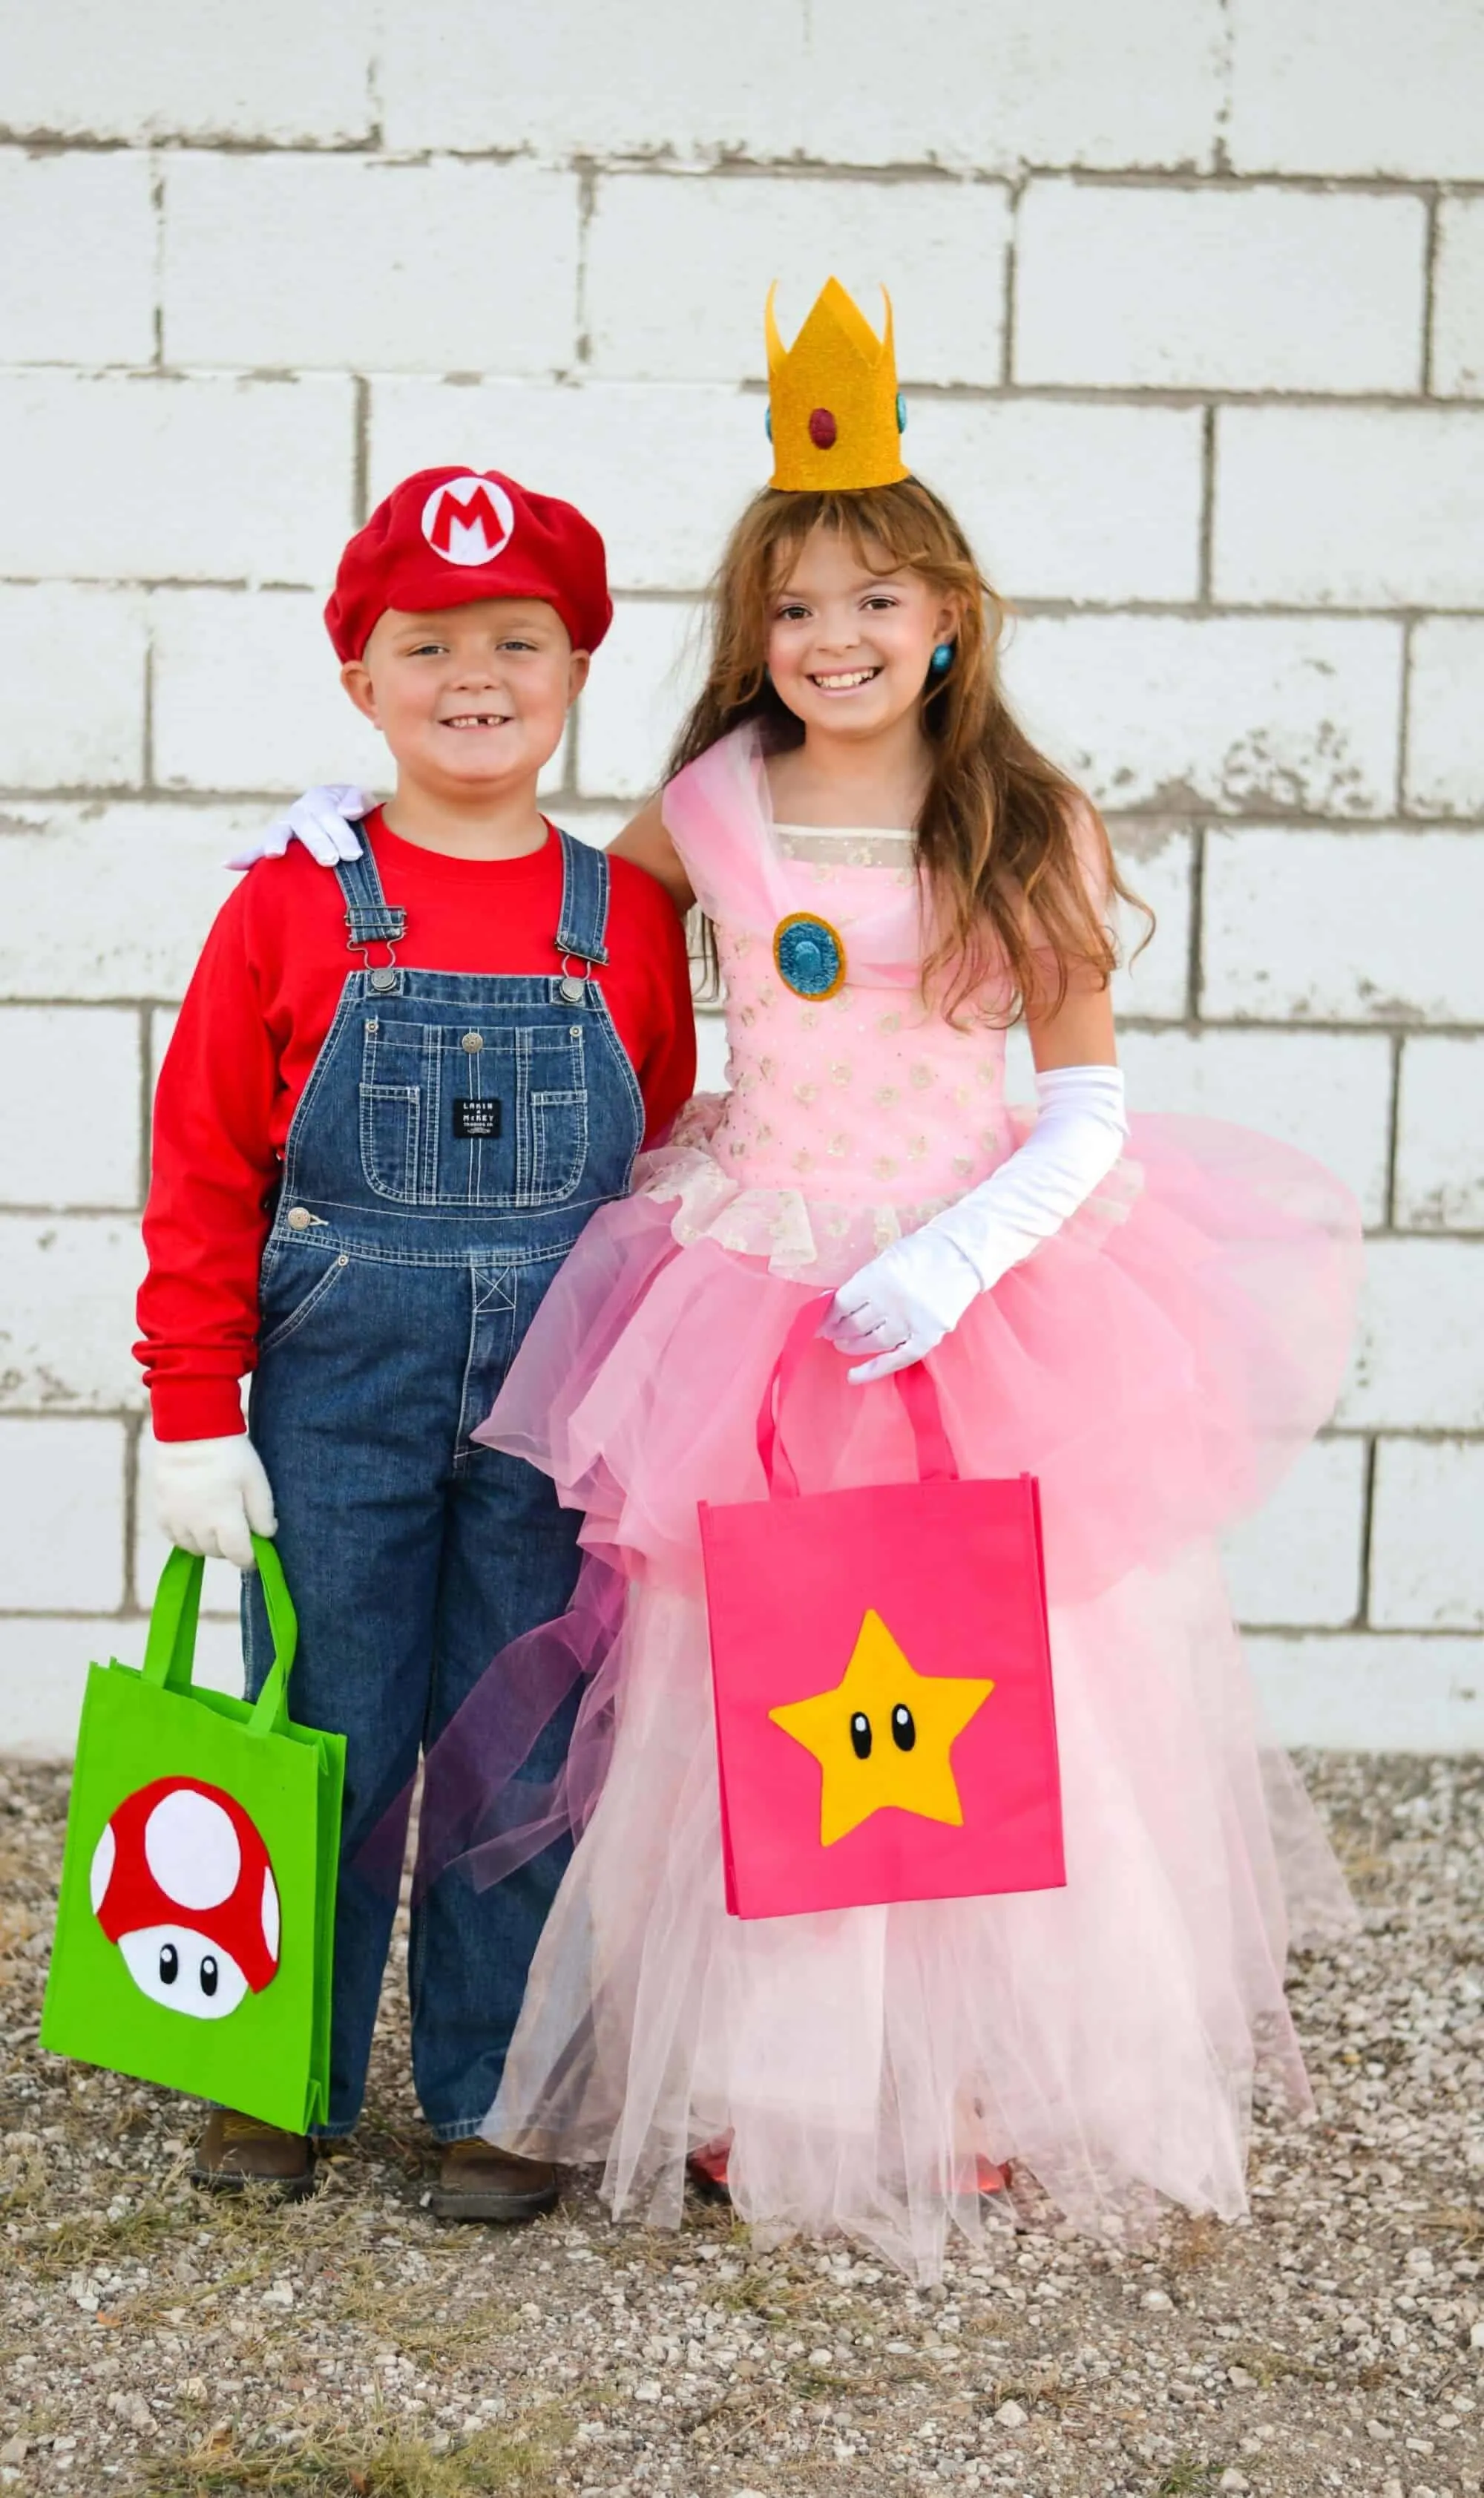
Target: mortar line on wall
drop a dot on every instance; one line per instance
(360, 451)
(1405, 717)
(1194, 973)
(1009, 290)
(1430, 250)
(664, 162)
(1207, 505)
(146, 726)
(134, 1437)
(157, 210)
(1362, 1621)
(1393, 1130)
(145, 1108)
(587, 213)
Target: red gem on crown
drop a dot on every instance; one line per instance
(823, 430)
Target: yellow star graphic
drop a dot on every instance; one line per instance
(884, 1735)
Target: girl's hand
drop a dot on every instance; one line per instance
(324, 819)
(900, 1305)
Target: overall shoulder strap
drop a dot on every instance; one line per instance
(368, 915)
(585, 884)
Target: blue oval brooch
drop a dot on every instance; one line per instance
(809, 955)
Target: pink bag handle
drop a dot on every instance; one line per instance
(936, 1462)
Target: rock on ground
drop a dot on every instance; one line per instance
(153, 2340)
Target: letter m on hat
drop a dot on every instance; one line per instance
(468, 520)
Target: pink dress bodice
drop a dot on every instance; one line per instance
(851, 1118)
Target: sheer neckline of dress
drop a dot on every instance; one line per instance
(844, 844)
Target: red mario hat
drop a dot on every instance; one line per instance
(448, 536)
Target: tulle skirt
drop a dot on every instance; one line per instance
(1156, 1366)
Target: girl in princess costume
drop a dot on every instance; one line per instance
(1150, 1317)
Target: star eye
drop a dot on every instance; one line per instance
(860, 1735)
(208, 1976)
(903, 1727)
(170, 1964)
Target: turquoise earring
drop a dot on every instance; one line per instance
(942, 659)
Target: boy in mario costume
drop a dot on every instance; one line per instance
(391, 1100)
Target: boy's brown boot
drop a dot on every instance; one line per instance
(237, 2150)
(479, 2182)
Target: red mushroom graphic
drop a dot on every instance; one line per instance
(183, 1882)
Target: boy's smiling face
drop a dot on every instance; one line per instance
(472, 698)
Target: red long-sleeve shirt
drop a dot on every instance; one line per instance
(262, 1000)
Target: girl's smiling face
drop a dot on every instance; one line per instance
(849, 648)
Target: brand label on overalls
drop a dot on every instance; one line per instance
(476, 1118)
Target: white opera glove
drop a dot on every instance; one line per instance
(211, 1496)
(324, 819)
(905, 1301)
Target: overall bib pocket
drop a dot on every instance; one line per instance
(472, 1113)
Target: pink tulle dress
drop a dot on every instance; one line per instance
(1157, 1365)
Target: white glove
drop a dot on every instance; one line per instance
(323, 819)
(212, 1495)
(906, 1300)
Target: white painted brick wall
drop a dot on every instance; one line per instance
(669, 465)
(1322, 87)
(1369, 1694)
(334, 261)
(1239, 714)
(649, 667)
(112, 901)
(1458, 322)
(80, 725)
(1426, 1552)
(62, 306)
(1441, 1133)
(1325, 927)
(721, 244)
(1445, 718)
(1419, 1358)
(1190, 306)
(1300, 1559)
(1096, 504)
(1026, 82)
(300, 712)
(70, 1080)
(1329, 1094)
(1227, 288)
(207, 477)
(62, 1516)
(1350, 506)
(281, 73)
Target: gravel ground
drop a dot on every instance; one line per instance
(154, 2341)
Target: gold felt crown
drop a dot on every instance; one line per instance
(835, 413)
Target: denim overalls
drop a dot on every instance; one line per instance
(455, 1134)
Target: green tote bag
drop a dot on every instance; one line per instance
(196, 1927)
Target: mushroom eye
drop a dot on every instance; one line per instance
(170, 1964)
(208, 1974)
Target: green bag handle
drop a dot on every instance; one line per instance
(170, 1651)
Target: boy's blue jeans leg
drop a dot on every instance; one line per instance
(406, 1583)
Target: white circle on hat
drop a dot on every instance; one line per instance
(468, 520)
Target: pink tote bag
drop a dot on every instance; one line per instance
(885, 1725)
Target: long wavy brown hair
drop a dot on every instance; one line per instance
(1013, 851)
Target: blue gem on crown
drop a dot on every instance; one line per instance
(809, 955)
